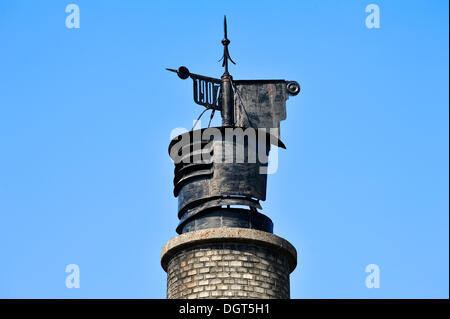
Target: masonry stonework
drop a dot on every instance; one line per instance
(228, 263)
(228, 270)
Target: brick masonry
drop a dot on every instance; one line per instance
(228, 262)
(228, 270)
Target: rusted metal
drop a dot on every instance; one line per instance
(216, 187)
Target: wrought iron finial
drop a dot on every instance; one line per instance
(225, 42)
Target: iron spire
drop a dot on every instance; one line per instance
(225, 42)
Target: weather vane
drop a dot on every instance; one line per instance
(242, 103)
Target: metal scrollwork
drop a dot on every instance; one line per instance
(293, 88)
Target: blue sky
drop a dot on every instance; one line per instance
(86, 114)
